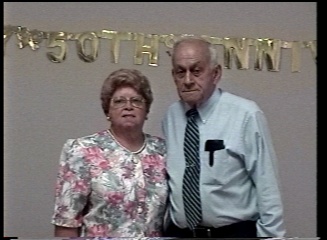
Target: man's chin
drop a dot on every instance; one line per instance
(192, 101)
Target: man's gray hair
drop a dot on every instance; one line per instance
(212, 50)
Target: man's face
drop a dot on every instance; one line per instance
(193, 74)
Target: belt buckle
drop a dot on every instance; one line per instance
(209, 232)
(194, 230)
(197, 232)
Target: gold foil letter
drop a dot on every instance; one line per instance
(57, 39)
(81, 49)
(240, 47)
(270, 48)
(151, 49)
(116, 37)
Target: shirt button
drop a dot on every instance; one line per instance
(135, 160)
(139, 210)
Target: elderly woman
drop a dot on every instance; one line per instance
(113, 183)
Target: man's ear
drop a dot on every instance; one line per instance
(217, 73)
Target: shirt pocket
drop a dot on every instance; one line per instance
(217, 174)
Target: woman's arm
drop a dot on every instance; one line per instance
(66, 232)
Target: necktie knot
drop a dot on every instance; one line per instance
(192, 113)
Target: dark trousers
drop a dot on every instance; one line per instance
(244, 229)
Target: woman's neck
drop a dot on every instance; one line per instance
(131, 140)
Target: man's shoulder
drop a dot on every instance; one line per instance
(175, 107)
(236, 100)
(227, 96)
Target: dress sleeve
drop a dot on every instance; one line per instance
(72, 186)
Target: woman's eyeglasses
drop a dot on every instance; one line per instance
(120, 102)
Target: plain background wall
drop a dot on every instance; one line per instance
(45, 103)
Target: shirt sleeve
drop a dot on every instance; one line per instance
(262, 164)
(72, 186)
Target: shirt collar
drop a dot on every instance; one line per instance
(207, 108)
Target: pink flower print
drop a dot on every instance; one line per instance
(66, 173)
(80, 186)
(129, 171)
(154, 234)
(61, 210)
(141, 194)
(95, 157)
(96, 172)
(158, 178)
(152, 160)
(98, 231)
(129, 209)
(58, 189)
(154, 168)
(115, 198)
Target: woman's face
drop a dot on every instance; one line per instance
(127, 109)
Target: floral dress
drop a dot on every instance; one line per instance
(109, 191)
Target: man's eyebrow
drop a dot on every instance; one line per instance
(194, 65)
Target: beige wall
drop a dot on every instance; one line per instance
(45, 103)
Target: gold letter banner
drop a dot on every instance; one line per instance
(267, 50)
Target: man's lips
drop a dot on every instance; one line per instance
(189, 91)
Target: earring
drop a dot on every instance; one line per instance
(108, 118)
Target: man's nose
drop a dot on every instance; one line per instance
(188, 78)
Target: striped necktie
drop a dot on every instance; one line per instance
(191, 192)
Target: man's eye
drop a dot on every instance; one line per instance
(196, 72)
(180, 73)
